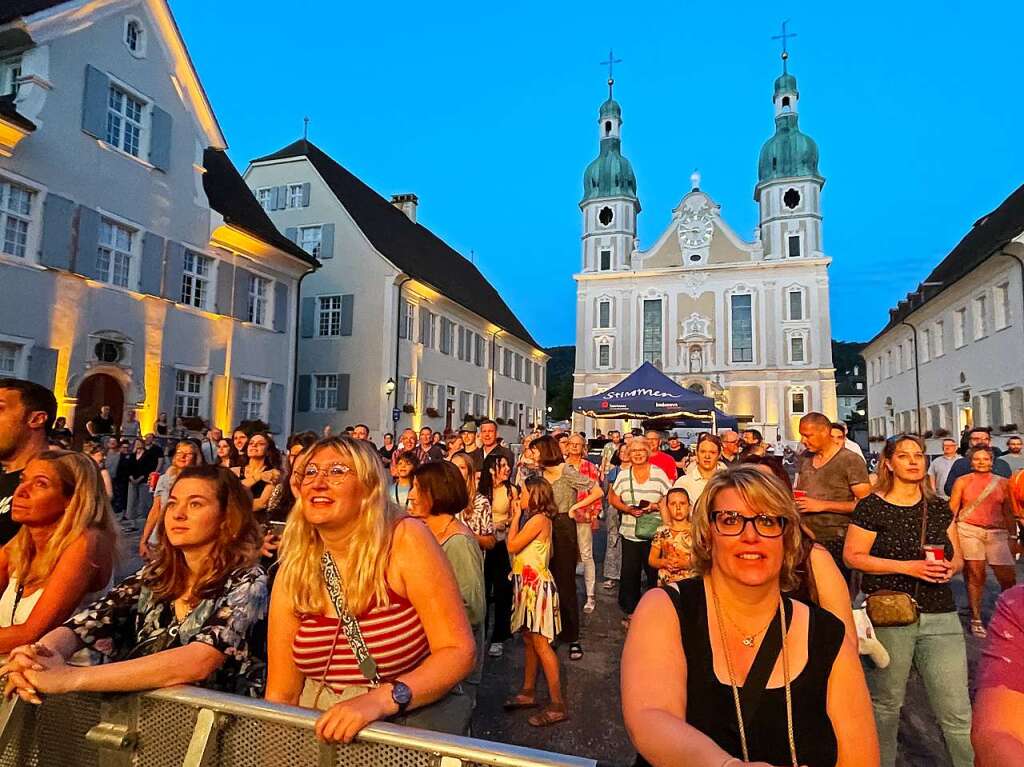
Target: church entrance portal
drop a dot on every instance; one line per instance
(94, 392)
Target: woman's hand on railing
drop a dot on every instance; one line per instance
(343, 721)
(35, 668)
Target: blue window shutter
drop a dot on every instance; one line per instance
(94, 102)
(152, 264)
(403, 318)
(166, 399)
(308, 316)
(282, 197)
(343, 382)
(327, 241)
(275, 413)
(305, 195)
(225, 278)
(280, 306)
(347, 305)
(88, 241)
(237, 413)
(58, 213)
(42, 366)
(160, 139)
(292, 233)
(175, 268)
(302, 395)
(242, 279)
(275, 197)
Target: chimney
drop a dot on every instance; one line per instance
(407, 203)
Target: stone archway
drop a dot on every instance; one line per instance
(95, 391)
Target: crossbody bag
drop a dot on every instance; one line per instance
(646, 524)
(898, 608)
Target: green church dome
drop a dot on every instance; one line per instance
(611, 108)
(788, 153)
(610, 175)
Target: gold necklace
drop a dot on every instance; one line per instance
(732, 678)
(749, 639)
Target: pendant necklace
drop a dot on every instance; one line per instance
(748, 639)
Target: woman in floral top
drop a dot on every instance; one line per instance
(185, 618)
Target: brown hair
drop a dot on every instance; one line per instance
(548, 452)
(238, 541)
(885, 478)
(542, 498)
(443, 482)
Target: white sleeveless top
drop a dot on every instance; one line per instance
(14, 611)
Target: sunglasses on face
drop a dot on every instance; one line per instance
(733, 523)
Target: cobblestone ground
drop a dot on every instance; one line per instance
(592, 687)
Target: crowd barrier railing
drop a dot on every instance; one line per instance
(192, 727)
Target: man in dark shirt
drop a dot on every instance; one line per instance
(489, 443)
(978, 437)
(27, 413)
(677, 451)
(102, 424)
(467, 433)
(427, 451)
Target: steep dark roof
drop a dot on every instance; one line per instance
(15, 9)
(411, 247)
(987, 237)
(9, 112)
(228, 195)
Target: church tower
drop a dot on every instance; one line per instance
(789, 186)
(609, 205)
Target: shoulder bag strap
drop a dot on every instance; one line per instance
(966, 512)
(332, 579)
(761, 669)
(924, 533)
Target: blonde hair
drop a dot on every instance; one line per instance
(471, 480)
(88, 508)
(885, 478)
(761, 493)
(364, 570)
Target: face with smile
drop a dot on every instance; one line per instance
(193, 515)
(501, 471)
(257, 447)
(403, 469)
(747, 558)
(489, 435)
(240, 438)
(981, 462)
(184, 455)
(408, 440)
(39, 499)
(334, 496)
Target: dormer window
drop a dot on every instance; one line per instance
(10, 73)
(135, 37)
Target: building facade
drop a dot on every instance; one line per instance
(136, 269)
(950, 355)
(744, 321)
(397, 329)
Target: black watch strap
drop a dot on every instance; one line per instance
(401, 695)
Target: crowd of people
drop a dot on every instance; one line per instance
(772, 616)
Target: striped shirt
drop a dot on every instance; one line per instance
(393, 634)
(631, 491)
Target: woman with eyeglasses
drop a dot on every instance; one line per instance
(726, 670)
(186, 453)
(347, 551)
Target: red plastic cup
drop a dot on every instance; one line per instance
(798, 494)
(154, 477)
(935, 552)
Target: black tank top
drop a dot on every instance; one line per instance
(709, 703)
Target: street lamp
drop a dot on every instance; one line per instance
(389, 387)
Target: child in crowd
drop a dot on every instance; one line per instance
(672, 545)
(535, 598)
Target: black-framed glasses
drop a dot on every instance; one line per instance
(334, 473)
(733, 523)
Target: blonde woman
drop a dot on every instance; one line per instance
(63, 555)
(386, 570)
(477, 514)
(692, 646)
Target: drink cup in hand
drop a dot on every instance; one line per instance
(934, 552)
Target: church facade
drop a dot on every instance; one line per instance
(746, 322)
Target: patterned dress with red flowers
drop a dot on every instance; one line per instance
(535, 597)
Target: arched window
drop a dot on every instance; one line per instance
(607, 127)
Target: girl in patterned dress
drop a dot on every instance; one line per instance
(672, 545)
(535, 598)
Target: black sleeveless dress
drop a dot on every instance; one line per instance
(709, 703)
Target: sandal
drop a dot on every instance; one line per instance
(552, 714)
(978, 629)
(522, 699)
(575, 651)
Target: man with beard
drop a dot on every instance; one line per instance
(27, 413)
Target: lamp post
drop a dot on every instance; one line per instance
(389, 389)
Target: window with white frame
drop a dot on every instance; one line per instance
(796, 304)
(959, 328)
(254, 395)
(898, 366)
(124, 121)
(135, 37)
(259, 297)
(652, 344)
(310, 238)
(479, 405)
(10, 73)
(796, 349)
(604, 355)
(195, 279)
(741, 328)
(925, 345)
(939, 338)
(499, 411)
(431, 392)
(407, 320)
(408, 387)
(328, 320)
(188, 394)
(888, 363)
(295, 195)
(798, 402)
(1001, 305)
(325, 391)
(9, 354)
(15, 218)
(980, 317)
(604, 314)
(114, 254)
(263, 195)
(465, 404)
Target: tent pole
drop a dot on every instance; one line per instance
(714, 423)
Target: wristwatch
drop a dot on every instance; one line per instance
(401, 695)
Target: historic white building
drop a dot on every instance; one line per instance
(951, 354)
(395, 322)
(744, 321)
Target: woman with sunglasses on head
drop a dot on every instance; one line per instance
(186, 453)
(724, 669)
(903, 538)
(185, 618)
(346, 546)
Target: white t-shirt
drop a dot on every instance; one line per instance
(693, 482)
(632, 491)
(853, 447)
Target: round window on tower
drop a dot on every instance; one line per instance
(694, 257)
(107, 351)
(605, 216)
(791, 198)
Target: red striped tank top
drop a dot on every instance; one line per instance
(393, 634)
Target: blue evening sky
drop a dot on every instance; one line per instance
(487, 111)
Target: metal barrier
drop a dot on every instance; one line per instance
(192, 727)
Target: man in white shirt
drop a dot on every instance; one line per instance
(940, 466)
(703, 468)
(846, 442)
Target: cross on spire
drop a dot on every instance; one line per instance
(610, 63)
(784, 37)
